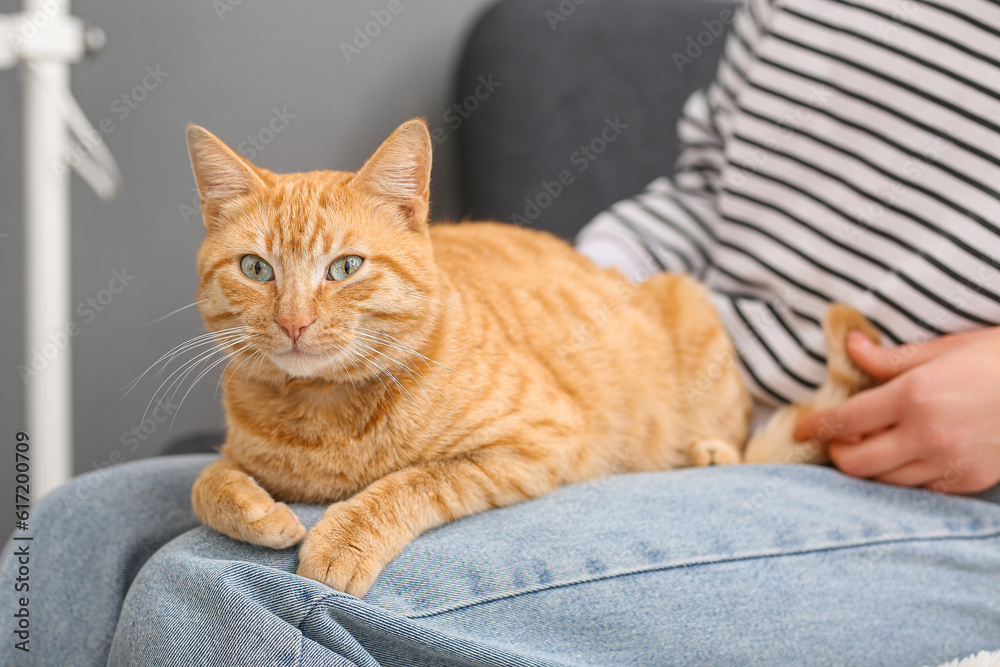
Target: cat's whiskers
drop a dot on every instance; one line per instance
(349, 358)
(385, 338)
(382, 368)
(187, 367)
(197, 341)
(204, 358)
(227, 357)
(174, 312)
(256, 368)
(209, 339)
(172, 381)
(235, 371)
(379, 341)
(201, 339)
(406, 370)
(418, 295)
(360, 356)
(392, 341)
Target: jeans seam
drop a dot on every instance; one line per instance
(698, 563)
(313, 607)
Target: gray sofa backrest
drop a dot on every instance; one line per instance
(570, 105)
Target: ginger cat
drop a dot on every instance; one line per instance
(413, 374)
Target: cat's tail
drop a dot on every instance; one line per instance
(774, 443)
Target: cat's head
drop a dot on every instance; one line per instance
(322, 274)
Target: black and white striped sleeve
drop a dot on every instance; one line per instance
(671, 225)
(848, 150)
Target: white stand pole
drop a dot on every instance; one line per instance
(47, 286)
(46, 39)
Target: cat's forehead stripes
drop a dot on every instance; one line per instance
(302, 212)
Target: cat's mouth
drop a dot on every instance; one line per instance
(297, 349)
(300, 362)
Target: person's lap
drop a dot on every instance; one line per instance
(743, 565)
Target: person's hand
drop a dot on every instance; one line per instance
(935, 422)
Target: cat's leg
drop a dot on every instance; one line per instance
(775, 442)
(356, 538)
(227, 499)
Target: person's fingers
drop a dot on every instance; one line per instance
(869, 411)
(960, 477)
(872, 457)
(873, 359)
(886, 363)
(950, 476)
(914, 473)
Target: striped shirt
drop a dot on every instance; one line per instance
(847, 150)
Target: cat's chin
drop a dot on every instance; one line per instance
(301, 365)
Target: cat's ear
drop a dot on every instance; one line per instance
(400, 171)
(220, 173)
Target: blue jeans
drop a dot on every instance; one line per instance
(745, 565)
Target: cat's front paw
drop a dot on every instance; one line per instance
(280, 528)
(342, 554)
(227, 499)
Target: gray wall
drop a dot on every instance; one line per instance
(228, 73)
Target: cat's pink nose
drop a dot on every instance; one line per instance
(294, 323)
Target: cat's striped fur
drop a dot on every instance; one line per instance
(463, 367)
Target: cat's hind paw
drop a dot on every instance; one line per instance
(713, 451)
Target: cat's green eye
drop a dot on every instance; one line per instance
(345, 266)
(257, 269)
